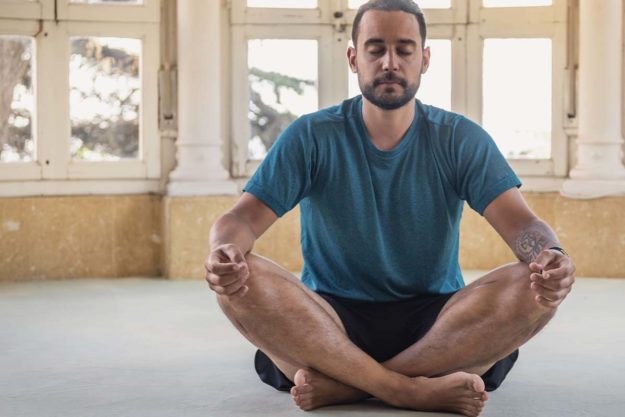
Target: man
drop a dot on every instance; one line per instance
(381, 180)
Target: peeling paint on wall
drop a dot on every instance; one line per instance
(11, 226)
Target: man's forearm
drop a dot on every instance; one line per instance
(230, 228)
(533, 239)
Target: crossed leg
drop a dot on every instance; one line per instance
(305, 338)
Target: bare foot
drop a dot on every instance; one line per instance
(313, 390)
(460, 392)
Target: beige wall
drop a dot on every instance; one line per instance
(116, 236)
(67, 237)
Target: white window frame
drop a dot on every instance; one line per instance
(466, 24)
(30, 170)
(326, 93)
(20, 9)
(524, 22)
(53, 171)
(148, 11)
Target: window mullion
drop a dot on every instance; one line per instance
(52, 109)
(473, 90)
(240, 132)
(559, 142)
(459, 73)
(332, 66)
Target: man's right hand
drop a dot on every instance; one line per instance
(227, 271)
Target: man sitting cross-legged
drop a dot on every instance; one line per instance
(381, 309)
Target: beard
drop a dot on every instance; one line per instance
(388, 100)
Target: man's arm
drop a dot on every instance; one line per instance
(231, 238)
(530, 239)
(523, 231)
(243, 224)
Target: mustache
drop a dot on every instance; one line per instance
(389, 77)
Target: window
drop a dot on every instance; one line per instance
(517, 58)
(518, 69)
(79, 100)
(502, 63)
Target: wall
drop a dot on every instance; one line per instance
(70, 237)
(118, 236)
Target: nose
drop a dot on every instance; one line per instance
(389, 62)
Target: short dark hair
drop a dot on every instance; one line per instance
(407, 6)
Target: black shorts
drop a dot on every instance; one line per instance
(382, 330)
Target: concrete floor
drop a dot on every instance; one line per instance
(144, 347)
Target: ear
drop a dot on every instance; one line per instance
(426, 60)
(351, 59)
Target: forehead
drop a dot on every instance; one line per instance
(388, 26)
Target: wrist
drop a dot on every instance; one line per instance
(559, 249)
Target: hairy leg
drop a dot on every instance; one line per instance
(478, 326)
(481, 324)
(283, 318)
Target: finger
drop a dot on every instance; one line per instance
(241, 292)
(556, 273)
(223, 280)
(224, 268)
(544, 302)
(546, 257)
(218, 256)
(227, 290)
(535, 276)
(234, 288)
(563, 270)
(234, 254)
(556, 284)
(550, 295)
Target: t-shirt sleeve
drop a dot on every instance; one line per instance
(482, 172)
(285, 175)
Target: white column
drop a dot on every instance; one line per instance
(599, 171)
(200, 159)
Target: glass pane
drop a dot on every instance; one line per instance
(283, 85)
(105, 94)
(517, 96)
(16, 99)
(516, 3)
(435, 88)
(107, 1)
(424, 4)
(286, 4)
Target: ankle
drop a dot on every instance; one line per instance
(396, 389)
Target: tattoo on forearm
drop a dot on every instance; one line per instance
(531, 241)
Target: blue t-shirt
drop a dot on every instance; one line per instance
(381, 225)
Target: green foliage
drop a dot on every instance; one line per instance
(266, 122)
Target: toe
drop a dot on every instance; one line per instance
(306, 404)
(478, 384)
(304, 389)
(302, 376)
(472, 411)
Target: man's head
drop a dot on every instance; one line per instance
(406, 6)
(389, 54)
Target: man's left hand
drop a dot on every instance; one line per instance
(552, 277)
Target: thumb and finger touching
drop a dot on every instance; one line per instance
(542, 261)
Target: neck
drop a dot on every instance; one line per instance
(386, 128)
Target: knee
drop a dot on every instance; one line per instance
(256, 266)
(523, 297)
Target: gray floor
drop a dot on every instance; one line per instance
(141, 347)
